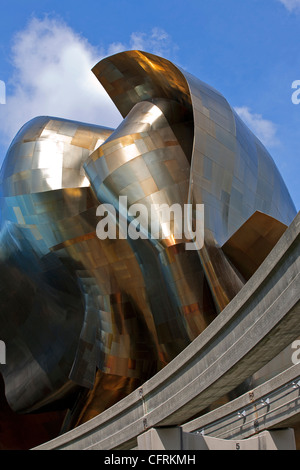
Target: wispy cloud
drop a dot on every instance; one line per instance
(157, 41)
(291, 5)
(264, 129)
(52, 75)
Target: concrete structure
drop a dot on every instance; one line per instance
(271, 405)
(176, 439)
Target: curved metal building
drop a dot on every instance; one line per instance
(87, 320)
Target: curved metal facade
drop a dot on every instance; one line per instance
(93, 318)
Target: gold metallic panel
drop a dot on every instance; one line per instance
(251, 244)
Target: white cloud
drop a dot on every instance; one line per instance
(291, 5)
(52, 75)
(264, 129)
(158, 42)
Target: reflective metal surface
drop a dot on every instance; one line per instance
(93, 318)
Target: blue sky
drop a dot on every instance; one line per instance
(246, 49)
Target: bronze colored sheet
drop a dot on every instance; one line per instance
(252, 242)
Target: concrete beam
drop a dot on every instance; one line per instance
(174, 438)
(267, 406)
